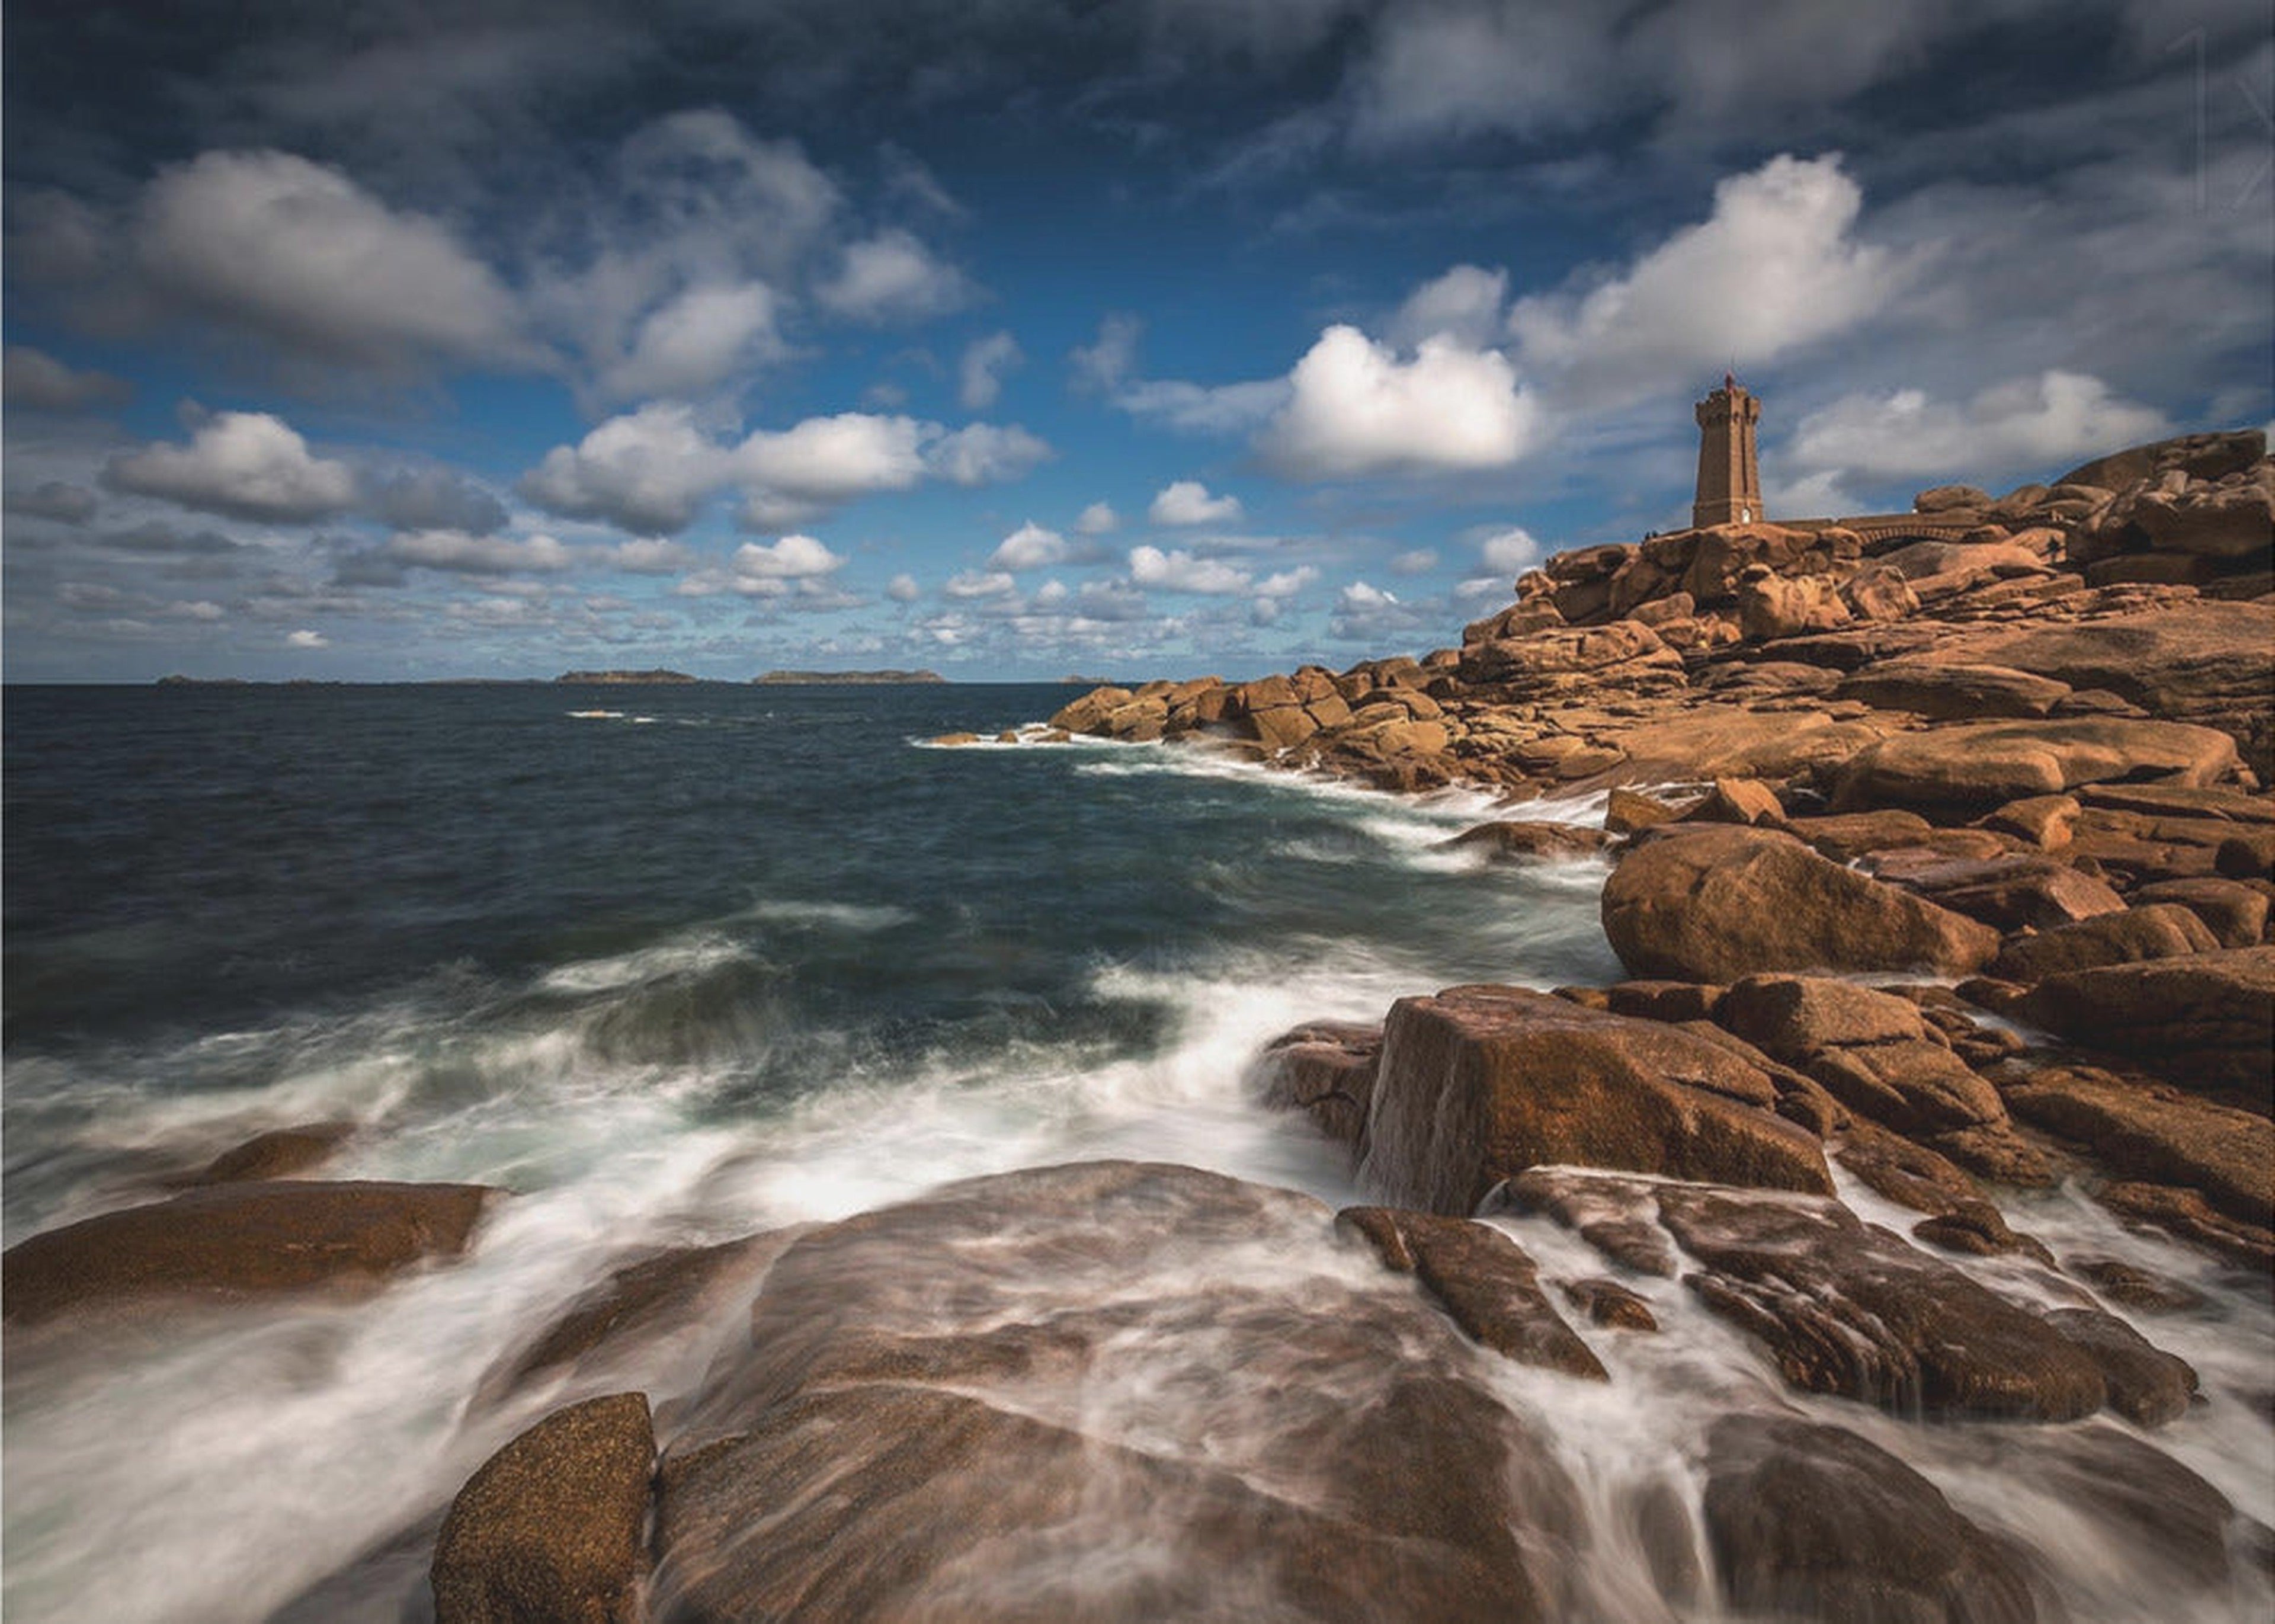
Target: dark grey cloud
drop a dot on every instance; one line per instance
(36, 381)
(66, 504)
(433, 499)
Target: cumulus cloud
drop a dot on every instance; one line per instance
(984, 453)
(2039, 424)
(1286, 583)
(893, 276)
(903, 589)
(1772, 267)
(1359, 408)
(1509, 551)
(785, 569)
(36, 381)
(243, 464)
(1182, 571)
(975, 584)
(830, 459)
(699, 339)
(1420, 560)
(1028, 548)
(1097, 519)
(648, 555)
(306, 638)
(794, 557)
(1365, 614)
(667, 268)
(980, 374)
(651, 471)
(1187, 502)
(646, 470)
(300, 254)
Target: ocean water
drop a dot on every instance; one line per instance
(680, 963)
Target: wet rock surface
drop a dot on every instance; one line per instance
(235, 1240)
(1811, 1521)
(943, 1404)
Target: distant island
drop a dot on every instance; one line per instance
(787, 678)
(623, 677)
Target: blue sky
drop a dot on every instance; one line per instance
(1029, 337)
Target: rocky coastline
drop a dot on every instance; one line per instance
(1940, 869)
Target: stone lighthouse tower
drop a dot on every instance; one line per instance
(1730, 476)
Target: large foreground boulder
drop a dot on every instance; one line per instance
(1718, 903)
(548, 1531)
(235, 1240)
(1480, 1083)
(1111, 1391)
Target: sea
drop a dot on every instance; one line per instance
(675, 963)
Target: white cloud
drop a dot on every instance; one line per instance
(1358, 409)
(1187, 502)
(36, 381)
(300, 254)
(903, 589)
(305, 638)
(1102, 366)
(703, 337)
(1509, 551)
(646, 471)
(667, 269)
(245, 465)
(1182, 571)
(1420, 560)
(1097, 519)
(794, 557)
(1479, 587)
(972, 584)
(1772, 267)
(461, 554)
(648, 555)
(2039, 424)
(1365, 614)
(830, 459)
(652, 470)
(893, 276)
(1464, 304)
(1028, 548)
(980, 374)
(1286, 583)
(984, 454)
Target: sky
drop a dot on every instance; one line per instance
(1019, 339)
